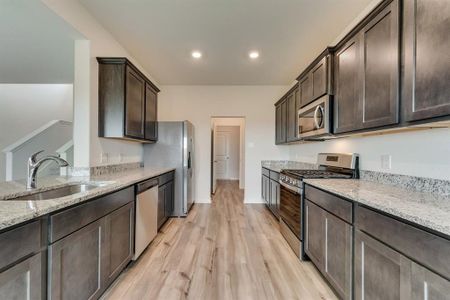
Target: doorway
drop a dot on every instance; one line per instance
(227, 150)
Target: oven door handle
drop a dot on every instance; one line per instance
(290, 188)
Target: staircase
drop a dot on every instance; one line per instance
(54, 137)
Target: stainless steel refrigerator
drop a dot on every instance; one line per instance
(175, 148)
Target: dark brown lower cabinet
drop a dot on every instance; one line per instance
(383, 273)
(78, 263)
(328, 243)
(428, 285)
(315, 233)
(338, 255)
(274, 204)
(84, 263)
(120, 240)
(24, 280)
(165, 202)
(265, 189)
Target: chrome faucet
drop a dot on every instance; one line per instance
(34, 164)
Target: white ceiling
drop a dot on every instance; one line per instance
(36, 45)
(162, 33)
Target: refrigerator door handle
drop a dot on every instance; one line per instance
(189, 160)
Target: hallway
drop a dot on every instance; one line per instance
(223, 250)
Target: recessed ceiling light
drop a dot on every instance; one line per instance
(253, 54)
(196, 54)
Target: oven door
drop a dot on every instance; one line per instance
(314, 119)
(290, 208)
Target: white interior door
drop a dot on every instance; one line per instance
(221, 155)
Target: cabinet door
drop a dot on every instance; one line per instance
(306, 95)
(278, 127)
(274, 196)
(380, 46)
(168, 199)
(315, 234)
(161, 205)
(134, 104)
(428, 285)
(77, 264)
(291, 118)
(151, 118)
(119, 240)
(319, 79)
(338, 255)
(24, 280)
(283, 136)
(380, 272)
(347, 87)
(426, 59)
(263, 190)
(267, 187)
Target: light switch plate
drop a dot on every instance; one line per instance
(386, 162)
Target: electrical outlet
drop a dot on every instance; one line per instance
(386, 162)
(104, 157)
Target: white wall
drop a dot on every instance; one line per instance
(26, 107)
(199, 103)
(423, 153)
(101, 43)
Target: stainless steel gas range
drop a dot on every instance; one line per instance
(331, 165)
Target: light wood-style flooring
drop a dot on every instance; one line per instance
(223, 250)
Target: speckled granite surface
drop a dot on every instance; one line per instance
(278, 165)
(15, 212)
(412, 183)
(427, 209)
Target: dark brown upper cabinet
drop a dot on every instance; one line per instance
(286, 117)
(306, 86)
(292, 118)
(346, 105)
(426, 43)
(315, 80)
(151, 113)
(134, 104)
(366, 73)
(127, 102)
(280, 121)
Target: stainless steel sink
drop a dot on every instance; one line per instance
(59, 192)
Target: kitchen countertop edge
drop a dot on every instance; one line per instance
(425, 210)
(14, 213)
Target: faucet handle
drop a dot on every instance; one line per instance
(33, 156)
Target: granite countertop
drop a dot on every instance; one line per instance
(15, 212)
(426, 209)
(278, 165)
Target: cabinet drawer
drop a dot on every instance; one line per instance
(274, 175)
(335, 205)
(70, 220)
(145, 185)
(164, 178)
(20, 242)
(265, 172)
(427, 249)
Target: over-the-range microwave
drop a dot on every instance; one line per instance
(315, 119)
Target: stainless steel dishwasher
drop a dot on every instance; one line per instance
(146, 215)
